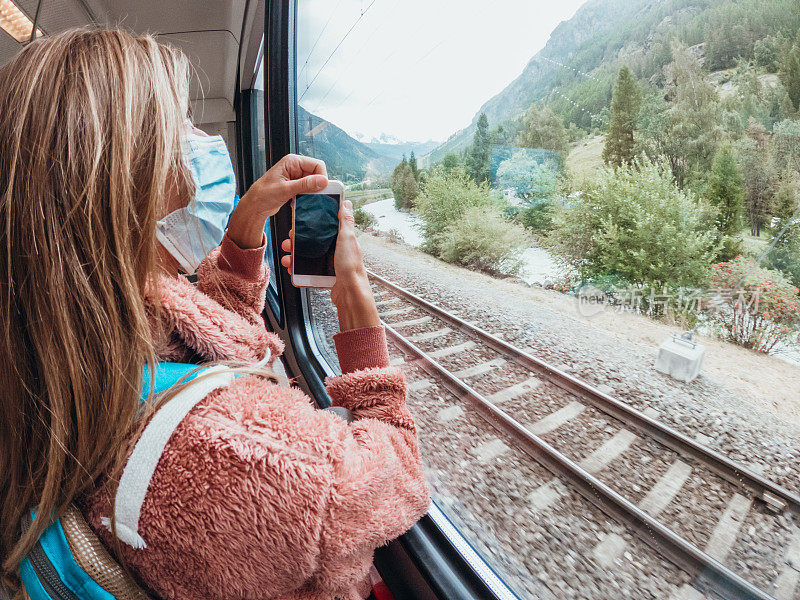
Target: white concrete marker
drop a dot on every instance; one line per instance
(680, 358)
(610, 450)
(556, 419)
(442, 352)
(608, 550)
(666, 488)
(724, 535)
(515, 390)
(480, 369)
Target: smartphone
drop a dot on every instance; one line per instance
(315, 222)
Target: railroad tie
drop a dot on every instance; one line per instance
(380, 303)
(556, 419)
(610, 450)
(451, 413)
(430, 335)
(411, 322)
(419, 385)
(398, 311)
(545, 495)
(515, 390)
(488, 451)
(724, 535)
(666, 488)
(789, 577)
(397, 361)
(442, 352)
(687, 592)
(608, 550)
(480, 369)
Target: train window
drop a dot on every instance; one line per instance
(259, 156)
(582, 225)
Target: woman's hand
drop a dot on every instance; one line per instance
(290, 176)
(351, 293)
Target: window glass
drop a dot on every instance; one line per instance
(613, 188)
(260, 158)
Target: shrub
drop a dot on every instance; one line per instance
(755, 307)
(538, 216)
(483, 239)
(363, 219)
(635, 224)
(446, 197)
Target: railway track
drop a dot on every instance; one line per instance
(701, 534)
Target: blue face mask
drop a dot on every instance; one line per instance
(190, 233)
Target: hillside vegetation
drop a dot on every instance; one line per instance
(654, 148)
(580, 61)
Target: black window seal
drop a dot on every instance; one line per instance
(437, 559)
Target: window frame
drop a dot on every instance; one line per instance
(435, 560)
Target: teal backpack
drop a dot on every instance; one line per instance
(53, 569)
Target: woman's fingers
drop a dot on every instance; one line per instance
(286, 245)
(297, 165)
(305, 185)
(286, 261)
(347, 258)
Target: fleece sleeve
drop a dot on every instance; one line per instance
(236, 278)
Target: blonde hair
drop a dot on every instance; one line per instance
(89, 147)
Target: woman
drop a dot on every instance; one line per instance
(255, 494)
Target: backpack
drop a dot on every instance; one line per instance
(69, 562)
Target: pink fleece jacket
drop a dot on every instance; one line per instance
(257, 493)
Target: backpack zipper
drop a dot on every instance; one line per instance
(48, 576)
(46, 572)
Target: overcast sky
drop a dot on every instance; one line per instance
(415, 69)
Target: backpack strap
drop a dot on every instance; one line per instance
(147, 452)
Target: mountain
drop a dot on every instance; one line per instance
(347, 159)
(357, 157)
(574, 73)
(534, 83)
(396, 150)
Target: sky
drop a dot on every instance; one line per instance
(417, 70)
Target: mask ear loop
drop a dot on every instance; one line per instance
(263, 362)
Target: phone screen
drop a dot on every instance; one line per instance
(316, 227)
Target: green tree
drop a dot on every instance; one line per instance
(479, 157)
(693, 129)
(404, 185)
(542, 128)
(785, 239)
(625, 106)
(785, 145)
(726, 194)
(759, 175)
(528, 174)
(412, 162)
(636, 225)
(790, 73)
(450, 161)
